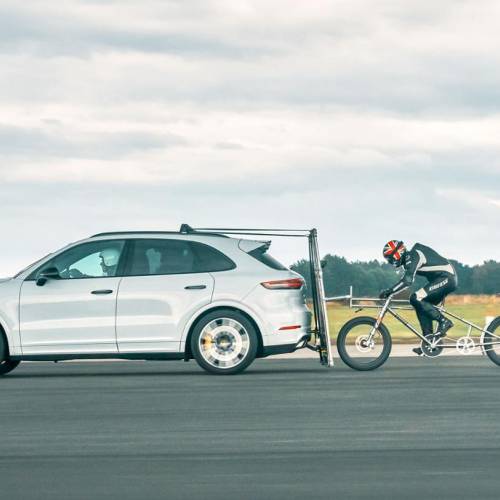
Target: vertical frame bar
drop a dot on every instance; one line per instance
(319, 303)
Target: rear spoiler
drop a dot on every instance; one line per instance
(249, 245)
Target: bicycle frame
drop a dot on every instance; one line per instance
(361, 303)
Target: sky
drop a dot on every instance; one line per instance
(368, 120)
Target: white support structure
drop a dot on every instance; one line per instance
(321, 330)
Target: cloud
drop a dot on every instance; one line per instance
(470, 197)
(369, 123)
(57, 142)
(413, 59)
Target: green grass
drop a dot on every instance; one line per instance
(476, 313)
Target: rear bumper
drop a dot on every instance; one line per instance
(276, 337)
(284, 348)
(278, 349)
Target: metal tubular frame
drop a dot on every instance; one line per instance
(321, 329)
(384, 306)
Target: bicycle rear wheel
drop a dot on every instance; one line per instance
(492, 341)
(353, 346)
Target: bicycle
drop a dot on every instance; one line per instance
(364, 342)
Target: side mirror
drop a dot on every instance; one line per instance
(51, 273)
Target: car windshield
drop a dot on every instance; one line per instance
(31, 265)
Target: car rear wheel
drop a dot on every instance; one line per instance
(224, 342)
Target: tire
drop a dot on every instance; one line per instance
(493, 351)
(6, 364)
(224, 342)
(358, 356)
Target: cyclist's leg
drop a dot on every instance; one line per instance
(435, 292)
(425, 300)
(422, 316)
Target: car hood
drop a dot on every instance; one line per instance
(2, 280)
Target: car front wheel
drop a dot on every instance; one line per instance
(6, 364)
(224, 342)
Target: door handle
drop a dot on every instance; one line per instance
(101, 292)
(195, 287)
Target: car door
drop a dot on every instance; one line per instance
(162, 289)
(75, 310)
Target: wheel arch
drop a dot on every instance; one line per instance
(187, 346)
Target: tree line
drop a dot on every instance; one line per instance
(368, 278)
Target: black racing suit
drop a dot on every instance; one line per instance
(424, 261)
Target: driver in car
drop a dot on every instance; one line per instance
(109, 261)
(442, 280)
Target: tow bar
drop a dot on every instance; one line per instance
(320, 329)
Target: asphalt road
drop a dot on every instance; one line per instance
(416, 428)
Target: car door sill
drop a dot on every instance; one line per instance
(151, 356)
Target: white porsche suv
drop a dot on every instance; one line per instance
(154, 295)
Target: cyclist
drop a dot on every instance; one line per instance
(442, 280)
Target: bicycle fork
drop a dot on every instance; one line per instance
(380, 318)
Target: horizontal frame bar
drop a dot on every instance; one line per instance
(221, 229)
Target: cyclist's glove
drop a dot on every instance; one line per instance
(385, 293)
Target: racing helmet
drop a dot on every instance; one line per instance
(110, 257)
(393, 252)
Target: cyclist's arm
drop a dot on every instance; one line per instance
(413, 263)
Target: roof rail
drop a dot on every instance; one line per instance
(294, 233)
(184, 229)
(220, 232)
(117, 233)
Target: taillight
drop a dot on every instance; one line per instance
(290, 284)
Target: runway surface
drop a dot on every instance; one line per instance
(285, 429)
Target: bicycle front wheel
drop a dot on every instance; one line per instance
(357, 350)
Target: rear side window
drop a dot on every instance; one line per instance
(262, 256)
(208, 259)
(157, 256)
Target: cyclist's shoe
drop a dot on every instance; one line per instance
(444, 325)
(418, 351)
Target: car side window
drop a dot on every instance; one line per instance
(98, 259)
(209, 260)
(169, 256)
(157, 256)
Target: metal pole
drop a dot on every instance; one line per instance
(319, 302)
